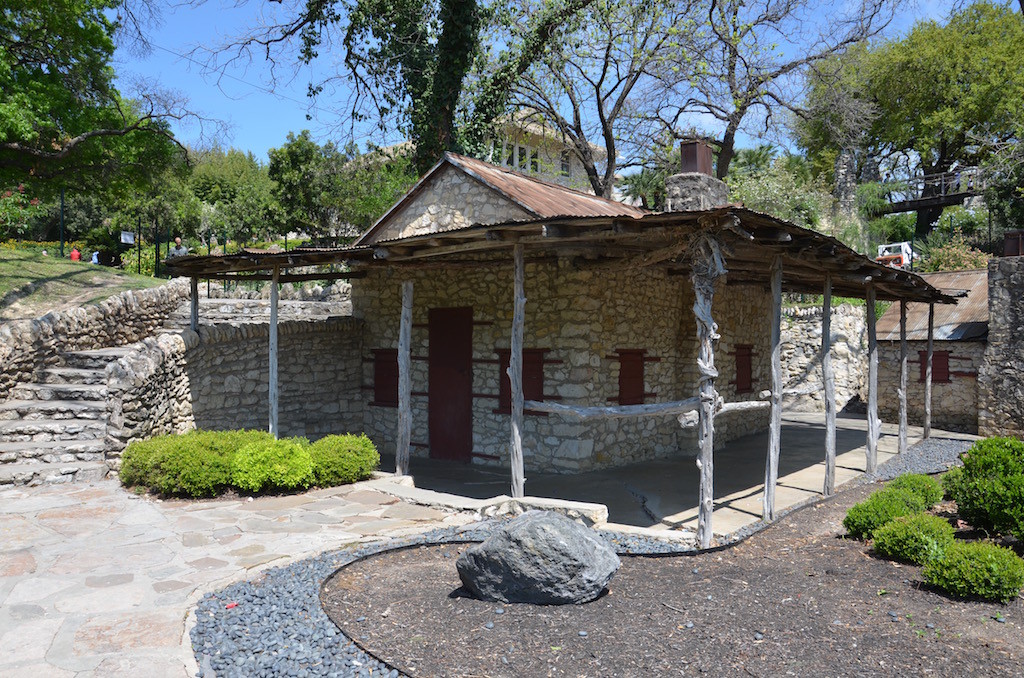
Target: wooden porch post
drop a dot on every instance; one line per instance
(272, 370)
(194, 323)
(871, 463)
(771, 473)
(515, 373)
(706, 265)
(902, 392)
(830, 389)
(928, 373)
(404, 383)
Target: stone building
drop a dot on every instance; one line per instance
(960, 334)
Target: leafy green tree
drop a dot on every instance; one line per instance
(779, 189)
(239, 189)
(16, 212)
(62, 121)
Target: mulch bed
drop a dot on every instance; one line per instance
(794, 599)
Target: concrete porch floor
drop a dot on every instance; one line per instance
(664, 492)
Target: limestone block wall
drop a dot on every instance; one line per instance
(801, 356)
(954, 403)
(27, 346)
(217, 379)
(452, 200)
(1001, 377)
(581, 317)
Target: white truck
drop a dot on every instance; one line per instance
(897, 255)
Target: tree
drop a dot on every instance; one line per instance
(752, 57)
(584, 83)
(407, 61)
(240, 192)
(60, 115)
(945, 96)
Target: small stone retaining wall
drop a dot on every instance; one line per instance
(217, 379)
(27, 346)
(1001, 377)
(801, 356)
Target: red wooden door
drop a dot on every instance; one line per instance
(450, 387)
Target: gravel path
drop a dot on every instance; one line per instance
(933, 455)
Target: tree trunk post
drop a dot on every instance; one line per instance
(515, 373)
(272, 369)
(928, 373)
(828, 378)
(902, 392)
(871, 462)
(404, 382)
(706, 266)
(194, 321)
(771, 473)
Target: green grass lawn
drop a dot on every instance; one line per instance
(32, 285)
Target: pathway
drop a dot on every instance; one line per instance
(95, 581)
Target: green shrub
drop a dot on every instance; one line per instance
(272, 465)
(194, 464)
(926, 487)
(989, 491)
(917, 538)
(977, 569)
(881, 507)
(342, 459)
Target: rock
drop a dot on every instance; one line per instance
(541, 557)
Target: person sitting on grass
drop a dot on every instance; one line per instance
(75, 254)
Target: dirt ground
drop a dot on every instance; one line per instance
(796, 599)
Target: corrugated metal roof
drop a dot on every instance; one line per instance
(967, 320)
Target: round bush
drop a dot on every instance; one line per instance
(917, 538)
(926, 487)
(273, 465)
(978, 569)
(342, 459)
(989, 490)
(881, 507)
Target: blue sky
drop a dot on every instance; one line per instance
(258, 118)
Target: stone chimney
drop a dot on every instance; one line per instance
(695, 187)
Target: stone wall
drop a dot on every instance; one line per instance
(581, 317)
(452, 200)
(27, 346)
(1001, 378)
(954, 403)
(801, 356)
(217, 379)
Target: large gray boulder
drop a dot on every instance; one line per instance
(541, 557)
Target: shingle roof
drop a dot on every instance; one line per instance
(966, 320)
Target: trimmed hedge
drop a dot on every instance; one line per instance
(917, 538)
(989, 489)
(979, 569)
(207, 463)
(926, 487)
(338, 460)
(885, 505)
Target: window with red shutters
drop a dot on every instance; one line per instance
(533, 377)
(631, 376)
(940, 366)
(744, 368)
(385, 377)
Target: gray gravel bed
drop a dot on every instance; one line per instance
(275, 626)
(933, 455)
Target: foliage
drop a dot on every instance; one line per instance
(917, 538)
(60, 114)
(956, 254)
(341, 459)
(927, 488)
(16, 211)
(781, 188)
(881, 507)
(980, 569)
(989, 491)
(272, 465)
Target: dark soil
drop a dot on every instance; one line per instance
(795, 599)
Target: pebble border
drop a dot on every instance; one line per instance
(275, 625)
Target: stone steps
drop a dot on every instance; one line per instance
(30, 410)
(24, 430)
(74, 375)
(42, 473)
(59, 392)
(52, 451)
(95, 359)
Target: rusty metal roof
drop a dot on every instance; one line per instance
(965, 321)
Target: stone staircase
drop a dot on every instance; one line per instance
(55, 430)
(213, 311)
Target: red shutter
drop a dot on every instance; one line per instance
(940, 366)
(385, 377)
(631, 376)
(533, 377)
(744, 368)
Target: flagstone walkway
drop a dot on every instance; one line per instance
(95, 581)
